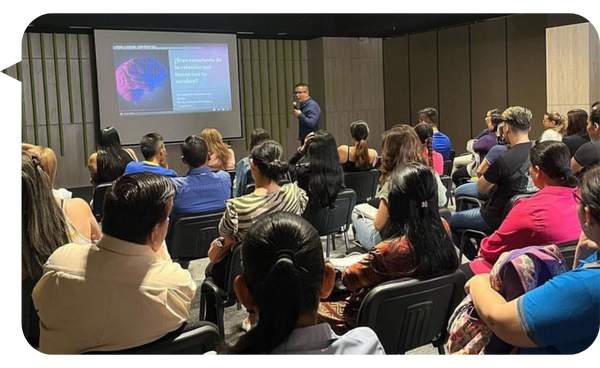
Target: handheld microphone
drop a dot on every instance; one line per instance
(295, 105)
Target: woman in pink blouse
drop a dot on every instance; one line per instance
(417, 243)
(435, 159)
(547, 217)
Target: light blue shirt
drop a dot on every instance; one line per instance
(320, 339)
(242, 171)
(563, 315)
(201, 190)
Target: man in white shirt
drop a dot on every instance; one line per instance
(123, 291)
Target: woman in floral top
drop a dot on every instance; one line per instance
(417, 244)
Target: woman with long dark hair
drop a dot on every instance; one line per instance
(359, 157)
(588, 154)
(547, 217)
(44, 227)
(283, 278)
(316, 167)
(110, 161)
(577, 134)
(417, 243)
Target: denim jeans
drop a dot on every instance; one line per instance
(365, 232)
(469, 219)
(468, 189)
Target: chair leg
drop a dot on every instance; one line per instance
(346, 239)
(328, 245)
(202, 315)
(441, 350)
(333, 241)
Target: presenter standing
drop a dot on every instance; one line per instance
(308, 111)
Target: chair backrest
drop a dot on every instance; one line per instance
(331, 219)
(447, 181)
(411, 312)
(251, 186)
(190, 235)
(445, 214)
(364, 183)
(568, 251)
(511, 202)
(199, 340)
(98, 203)
(232, 178)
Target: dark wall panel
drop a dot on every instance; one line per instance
(423, 72)
(396, 81)
(488, 71)
(455, 85)
(526, 36)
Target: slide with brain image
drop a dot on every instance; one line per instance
(154, 79)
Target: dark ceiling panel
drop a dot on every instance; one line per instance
(285, 26)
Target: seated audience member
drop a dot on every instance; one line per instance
(222, 156)
(441, 142)
(266, 165)
(155, 157)
(242, 168)
(316, 167)
(417, 244)
(401, 145)
(480, 147)
(123, 291)
(435, 159)
(82, 226)
(470, 189)
(507, 176)
(359, 157)
(201, 190)
(43, 230)
(283, 278)
(555, 126)
(48, 161)
(547, 217)
(577, 134)
(110, 161)
(588, 154)
(562, 316)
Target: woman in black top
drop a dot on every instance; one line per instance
(359, 157)
(577, 134)
(110, 161)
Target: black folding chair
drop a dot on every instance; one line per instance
(364, 183)
(98, 201)
(330, 220)
(412, 312)
(447, 181)
(568, 251)
(232, 178)
(190, 235)
(202, 338)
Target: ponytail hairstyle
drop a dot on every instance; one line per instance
(268, 157)
(400, 145)
(283, 266)
(44, 228)
(326, 175)
(425, 133)
(414, 213)
(496, 119)
(559, 120)
(554, 159)
(359, 130)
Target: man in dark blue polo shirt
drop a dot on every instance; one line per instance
(201, 190)
(309, 112)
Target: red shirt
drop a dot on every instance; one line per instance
(547, 217)
(438, 160)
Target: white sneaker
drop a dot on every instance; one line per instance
(246, 325)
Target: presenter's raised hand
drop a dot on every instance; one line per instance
(297, 112)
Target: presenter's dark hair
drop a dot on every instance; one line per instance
(135, 204)
(283, 266)
(150, 144)
(194, 150)
(258, 135)
(429, 115)
(577, 122)
(359, 130)
(301, 84)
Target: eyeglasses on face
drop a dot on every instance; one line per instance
(299, 92)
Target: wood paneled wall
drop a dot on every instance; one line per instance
(573, 59)
(465, 71)
(348, 85)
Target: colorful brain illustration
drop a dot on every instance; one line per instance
(137, 76)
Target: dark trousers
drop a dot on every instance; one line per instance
(218, 273)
